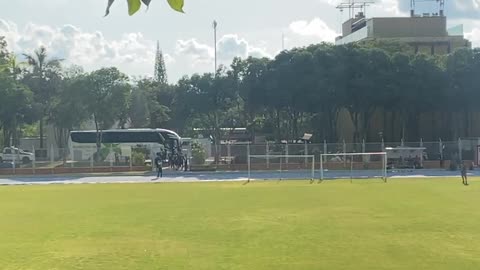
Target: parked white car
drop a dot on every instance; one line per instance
(17, 155)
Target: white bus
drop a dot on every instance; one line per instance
(83, 143)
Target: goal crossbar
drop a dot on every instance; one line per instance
(312, 157)
(384, 161)
(354, 154)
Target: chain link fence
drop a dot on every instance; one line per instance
(111, 158)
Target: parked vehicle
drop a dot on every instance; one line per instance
(6, 165)
(17, 155)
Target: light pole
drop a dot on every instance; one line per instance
(215, 44)
(217, 155)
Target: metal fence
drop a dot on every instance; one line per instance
(84, 159)
(463, 149)
(126, 158)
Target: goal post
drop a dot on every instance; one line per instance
(268, 167)
(353, 165)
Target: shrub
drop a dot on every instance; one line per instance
(198, 154)
(138, 159)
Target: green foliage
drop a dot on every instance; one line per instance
(105, 96)
(44, 79)
(138, 109)
(16, 107)
(159, 100)
(327, 90)
(138, 158)
(134, 5)
(176, 5)
(198, 154)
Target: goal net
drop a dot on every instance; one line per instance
(280, 167)
(353, 166)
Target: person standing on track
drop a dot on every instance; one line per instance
(463, 169)
(158, 164)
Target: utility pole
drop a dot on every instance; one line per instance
(215, 24)
(217, 135)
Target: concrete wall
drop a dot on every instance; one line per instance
(409, 27)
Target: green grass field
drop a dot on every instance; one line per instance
(405, 224)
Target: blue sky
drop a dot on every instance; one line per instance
(77, 32)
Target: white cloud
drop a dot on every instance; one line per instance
(385, 8)
(201, 53)
(466, 5)
(9, 30)
(89, 49)
(168, 59)
(315, 28)
(331, 2)
(231, 45)
(228, 47)
(474, 37)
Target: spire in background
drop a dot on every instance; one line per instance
(160, 69)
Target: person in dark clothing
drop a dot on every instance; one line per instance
(158, 164)
(463, 169)
(185, 164)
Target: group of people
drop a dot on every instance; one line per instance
(176, 161)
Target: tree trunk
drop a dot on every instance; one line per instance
(392, 127)
(467, 122)
(294, 125)
(6, 137)
(16, 140)
(41, 133)
(356, 127)
(98, 139)
(277, 120)
(332, 122)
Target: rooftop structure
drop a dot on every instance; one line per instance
(426, 33)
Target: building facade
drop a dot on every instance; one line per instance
(425, 34)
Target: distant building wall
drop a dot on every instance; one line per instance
(409, 27)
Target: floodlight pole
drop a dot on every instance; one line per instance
(215, 24)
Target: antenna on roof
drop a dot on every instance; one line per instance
(353, 5)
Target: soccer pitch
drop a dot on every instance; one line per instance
(367, 224)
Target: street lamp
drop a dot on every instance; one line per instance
(215, 24)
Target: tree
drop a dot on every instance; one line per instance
(160, 69)
(158, 101)
(326, 95)
(205, 99)
(4, 53)
(68, 109)
(16, 106)
(43, 80)
(134, 5)
(463, 67)
(138, 109)
(105, 95)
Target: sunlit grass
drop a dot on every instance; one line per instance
(404, 224)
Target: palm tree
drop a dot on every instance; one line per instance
(41, 69)
(13, 66)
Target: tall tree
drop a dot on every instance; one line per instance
(158, 101)
(138, 109)
(106, 96)
(43, 80)
(16, 106)
(160, 69)
(68, 109)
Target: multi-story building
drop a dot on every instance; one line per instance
(426, 33)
